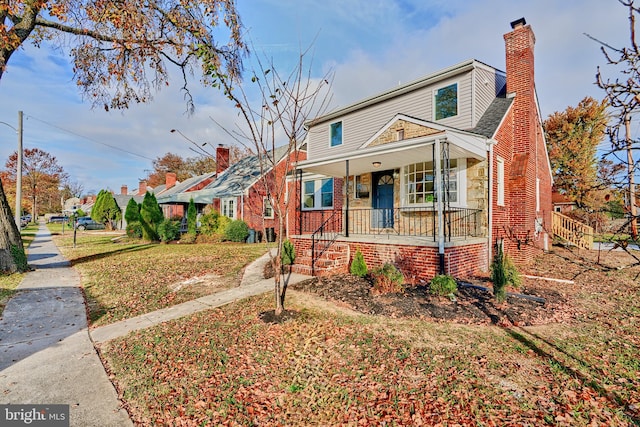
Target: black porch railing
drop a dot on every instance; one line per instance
(422, 222)
(324, 235)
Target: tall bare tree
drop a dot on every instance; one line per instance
(273, 127)
(623, 94)
(122, 51)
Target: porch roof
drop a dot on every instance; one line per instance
(397, 154)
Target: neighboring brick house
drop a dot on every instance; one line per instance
(562, 203)
(250, 188)
(370, 181)
(174, 197)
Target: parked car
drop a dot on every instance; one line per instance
(86, 223)
(25, 220)
(59, 218)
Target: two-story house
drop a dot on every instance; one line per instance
(431, 175)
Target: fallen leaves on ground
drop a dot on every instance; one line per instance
(229, 366)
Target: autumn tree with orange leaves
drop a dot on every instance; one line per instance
(121, 53)
(572, 137)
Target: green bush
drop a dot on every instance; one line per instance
(443, 285)
(387, 279)
(236, 231)
(513, 275)
(209, 223)
(503, 273)
(358, 265)
(288, 253)
(134, 230)
(168, 230)
(192, 214)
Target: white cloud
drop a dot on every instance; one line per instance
(371, 45)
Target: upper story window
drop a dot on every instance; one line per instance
(268, 209)
(336, 134)
(419, 183)
(317, 194)
(446, 102)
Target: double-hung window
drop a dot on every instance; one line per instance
(317, 194)
(268, 209)
(228, 207)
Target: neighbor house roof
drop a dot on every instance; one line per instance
(237, 178)
(174, 194)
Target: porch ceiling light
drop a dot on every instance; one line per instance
(377, 164)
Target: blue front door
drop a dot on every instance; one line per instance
(382, 215)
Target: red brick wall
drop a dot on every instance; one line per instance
(419, 264)
(521, 145)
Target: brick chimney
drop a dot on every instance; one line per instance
(124, 190)
(142, 188)
(519, 45)
(222, 158)
(170, 180)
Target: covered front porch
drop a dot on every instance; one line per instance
(396, 194)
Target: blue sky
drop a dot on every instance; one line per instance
(371, 45)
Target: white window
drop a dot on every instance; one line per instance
(229, 207)
(336, 133)
(445, 102)
(317, 194)
(360, 190)
(500, 181)
(537, 194)
(419, 183)
(268, 209)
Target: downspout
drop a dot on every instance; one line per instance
(439, 206)
(299, 201)
(346, 205)
(242, 206)
(490, 144)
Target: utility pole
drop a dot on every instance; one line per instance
(630, 177)
(18, 212)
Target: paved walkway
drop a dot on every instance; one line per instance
(46, 351)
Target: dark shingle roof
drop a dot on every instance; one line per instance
(491, 119)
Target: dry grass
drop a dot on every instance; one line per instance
(124, 279)
(327, 365)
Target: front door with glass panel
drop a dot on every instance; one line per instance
(382, 213)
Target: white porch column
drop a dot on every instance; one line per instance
(437, 167)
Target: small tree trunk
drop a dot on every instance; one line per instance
(10, 237)
(277, 277)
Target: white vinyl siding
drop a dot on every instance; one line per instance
(488, 84)
(364, 123)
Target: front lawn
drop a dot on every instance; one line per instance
(123, 280)
(327, 365)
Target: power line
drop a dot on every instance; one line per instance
(89, 139)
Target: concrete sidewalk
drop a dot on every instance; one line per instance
(46, 354)
(46, 351)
